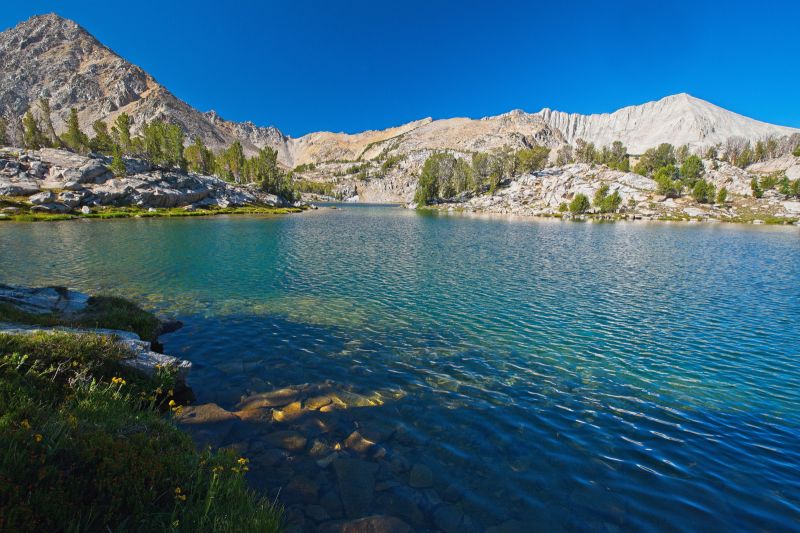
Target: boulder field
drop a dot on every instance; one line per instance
(58, 181)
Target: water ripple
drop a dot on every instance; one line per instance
(588, 376)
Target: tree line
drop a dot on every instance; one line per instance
(444, 175)
(160, 143)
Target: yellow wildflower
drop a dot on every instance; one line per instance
(25, 424)
(172, 403)
(158, 390)
(38, 437)
(118, 381)
(177, 490)
(243, 461)
(170, 392)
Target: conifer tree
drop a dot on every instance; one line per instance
(74, 138)
(3, 132)
(117, 166)
(173, 146)
(199, 158)
(102, 141)
(121, 130)
(31, 134)
(49, 130)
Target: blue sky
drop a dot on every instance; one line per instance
(348, 66)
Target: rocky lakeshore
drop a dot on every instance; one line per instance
(86, 442)
(58, 182)
(52, 310)
(547, 192)
(315, 448)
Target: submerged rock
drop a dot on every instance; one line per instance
(370, 524)
(420, 477)
(209, 424)
(356, 480)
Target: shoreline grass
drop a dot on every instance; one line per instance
(137, 212)
(767, 220)
(107, 312)
(86, 447)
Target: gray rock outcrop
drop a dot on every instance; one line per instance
(84, 181)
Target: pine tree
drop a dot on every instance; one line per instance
(3, 132)
(74, 138)
(173, 146)
(52, 138)
(199, 158)
(102, 141)
(153, 141)
(121, 130)
(31, 134)
(579, 205)
(117, 166)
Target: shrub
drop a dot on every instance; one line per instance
(758, 192)
(305, 167)
(722, 196)
(666, 183)
(703, 191)
(691, 169)
(390, 162)
(656, 158)
(315, 187)
(109, 312)
(86, 448)
(607, 203)
(579, 205)
(532, 159)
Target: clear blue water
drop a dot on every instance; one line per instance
(569, 376)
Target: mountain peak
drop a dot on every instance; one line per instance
(676, 119)
(52, 21)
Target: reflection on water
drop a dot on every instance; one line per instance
(576, 376)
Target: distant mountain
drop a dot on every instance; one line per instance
(52, 57)
(678, 119)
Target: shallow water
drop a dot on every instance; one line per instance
(566, 375)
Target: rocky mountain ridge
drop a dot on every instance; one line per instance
(678, 119)
(51, 57)
(54, 58)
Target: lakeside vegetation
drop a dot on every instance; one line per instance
(26, 215)
(444, 175)
(88, 444)
(676, 171)
(109, 312)
(160, 143)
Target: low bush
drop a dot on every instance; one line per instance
(109, 312)
(86, 447)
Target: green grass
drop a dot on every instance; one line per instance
(87, 447)
(110, 312)
(130, 212)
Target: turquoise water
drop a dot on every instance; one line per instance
(568, 376)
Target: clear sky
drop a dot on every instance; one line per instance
(348, 66)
